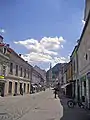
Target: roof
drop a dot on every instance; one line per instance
(18, 56)
(1, 37)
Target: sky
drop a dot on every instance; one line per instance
(43, 31)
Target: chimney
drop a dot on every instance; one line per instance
(20, 55)
(1, 39)
(8, 45)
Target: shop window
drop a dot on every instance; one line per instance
(24, 87)
(10, 88)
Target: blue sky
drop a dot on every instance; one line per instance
(34, 20)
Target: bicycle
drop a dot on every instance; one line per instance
(72, 103)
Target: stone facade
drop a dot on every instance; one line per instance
(84, 63)
(18, 75)
(4, 62)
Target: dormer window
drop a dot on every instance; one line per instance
(4, 50)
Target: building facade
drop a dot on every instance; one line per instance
(42, 73)
(84, 62)
(18, 76)
(4, 62)
(15, 72)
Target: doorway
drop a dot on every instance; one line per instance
(15, 88)
(10, 88)
(2, 86)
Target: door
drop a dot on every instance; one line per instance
(2, 86)
(15, 87)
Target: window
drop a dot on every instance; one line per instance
(74, 66)
(3, 70)
(86, 56)
(21, 72)
(28, 73)
(24, 73)
(11, 68)
(4, 50)
(16, 70)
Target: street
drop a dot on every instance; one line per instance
(39, 106)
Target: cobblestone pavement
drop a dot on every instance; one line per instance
(29, 107)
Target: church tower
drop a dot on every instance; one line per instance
(87, 9)
(50, 74)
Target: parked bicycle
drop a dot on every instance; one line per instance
(72, 103)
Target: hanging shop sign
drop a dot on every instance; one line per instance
(88, 75)
(1, 77)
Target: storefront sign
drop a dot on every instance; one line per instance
(1, 77)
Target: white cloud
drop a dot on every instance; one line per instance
(46, 45)
(2, 30)
(46, 50)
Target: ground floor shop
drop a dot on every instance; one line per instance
(14, 87)
(82, 89)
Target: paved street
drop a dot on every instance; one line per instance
(39, 106)
(75, 113)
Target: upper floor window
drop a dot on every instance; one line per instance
(74, 66)
(3, 70)
(21, 72)
(24, 73)
(11, 68)
(16, 70)
(86, 56)
(28, 73)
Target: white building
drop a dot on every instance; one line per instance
(84, 58)
(17, 72)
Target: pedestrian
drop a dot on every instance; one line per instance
(55, 92)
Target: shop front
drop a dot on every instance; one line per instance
(83, 89)
(2, 86)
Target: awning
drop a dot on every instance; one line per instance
(65, 85)
(3, 80)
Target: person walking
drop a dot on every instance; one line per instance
(55, 92)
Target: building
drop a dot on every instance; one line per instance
(4, 63)
(74, 62)
(84, 62)
(87, 9)
(36, 77)
(17, 72)
(69, 79)
(42, 73)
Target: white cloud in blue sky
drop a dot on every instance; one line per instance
(44, 50)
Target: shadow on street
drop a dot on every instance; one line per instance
(75, 113)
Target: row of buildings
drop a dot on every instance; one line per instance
(75, 75)
(16, 74)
